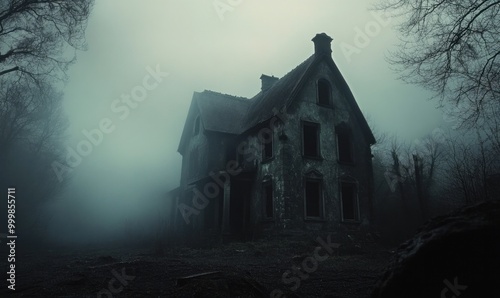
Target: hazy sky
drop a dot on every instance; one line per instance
(225, 51)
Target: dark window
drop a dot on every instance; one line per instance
(313, 198)
(344, 147)
(267, 150)
(324, 93)
(268, 199)
(197, 126)
(349, 201)
(310, 139)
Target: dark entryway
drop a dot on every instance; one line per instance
(239, 206)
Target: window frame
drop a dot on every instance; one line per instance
(355, 198)
(348, 135)
(321, 203)
(265, 146)
(324, 82)
(318, 139)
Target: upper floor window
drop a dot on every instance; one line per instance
(267, 147)
(324, 93)
(310, 139)
(196, 129)
(344, 147)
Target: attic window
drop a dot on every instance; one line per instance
(344, 146)
(324, 93)
(313, 198)
(349, 201)
(310, 139)
(196, 130)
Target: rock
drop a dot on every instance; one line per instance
(457, 255)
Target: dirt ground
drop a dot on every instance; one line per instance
(251, 269)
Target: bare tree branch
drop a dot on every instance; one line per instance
(15, 68)
(450, 47)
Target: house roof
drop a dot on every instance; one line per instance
(221, 112)
(218, 113)
(276, 96)
(266, 104)
(235, 115)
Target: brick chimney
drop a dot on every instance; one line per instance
(322, 44)
(267, 81)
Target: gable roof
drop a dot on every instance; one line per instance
(218, 112)
(343, 87)
(276, 96)
(265, 104)
(235, 115)
(221, 112)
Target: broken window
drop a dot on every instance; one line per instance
(268, 199)
(349, 199)
(313, 198)
(310, 139)
(267, 150)
(324, 97)
(344, 147)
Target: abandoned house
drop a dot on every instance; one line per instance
(295, 157)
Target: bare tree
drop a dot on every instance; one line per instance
(38, 41)
(30, 116)
(491, 129)
(469, 164)
(451, 47)
(35, 36)
(31, 135)
(411, 173)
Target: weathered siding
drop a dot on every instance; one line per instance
(292, 166)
